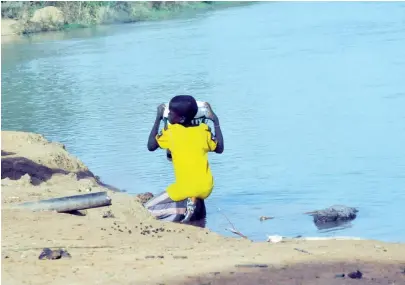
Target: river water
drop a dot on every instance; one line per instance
(311, 98)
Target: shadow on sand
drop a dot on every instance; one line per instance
(305, 274)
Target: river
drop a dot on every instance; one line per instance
(310, 97)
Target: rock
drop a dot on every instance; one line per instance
(334, 214)
(49, 15)
(355, 275)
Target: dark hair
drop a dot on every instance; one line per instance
(184, 106)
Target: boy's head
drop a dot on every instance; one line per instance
(182, 109)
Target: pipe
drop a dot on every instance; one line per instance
(70, 203)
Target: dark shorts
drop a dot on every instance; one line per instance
(165, 209)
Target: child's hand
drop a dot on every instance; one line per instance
(160, 111)
(210, 113)
(218, 133)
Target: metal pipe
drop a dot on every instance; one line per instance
(70, 203)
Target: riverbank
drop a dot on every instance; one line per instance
(134, 248)
(20, 17)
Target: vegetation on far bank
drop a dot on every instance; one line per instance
(38, 16)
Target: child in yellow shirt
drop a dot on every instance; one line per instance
(189, 146)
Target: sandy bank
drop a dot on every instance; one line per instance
(133, 248)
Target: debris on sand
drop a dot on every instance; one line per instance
(108, 214)
(236, 232)
(275, 239)
(180, 257)
(355, 275)
(254, 265)
(50, 254)
(302, 250)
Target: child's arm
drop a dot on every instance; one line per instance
(218, 131)
(152, 142)
(218, 135)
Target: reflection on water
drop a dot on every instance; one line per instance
(308, 94)
(333, 226)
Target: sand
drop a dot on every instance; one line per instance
(134, 248)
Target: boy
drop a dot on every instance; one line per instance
(189, 146)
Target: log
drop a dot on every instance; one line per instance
(70, 203)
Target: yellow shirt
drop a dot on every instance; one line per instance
(189, 148)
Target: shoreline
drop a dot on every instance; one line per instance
(33, 21)
(133, 247)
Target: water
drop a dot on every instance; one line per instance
(311, 98)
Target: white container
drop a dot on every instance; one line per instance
(201, 113)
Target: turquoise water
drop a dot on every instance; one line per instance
(311, 98)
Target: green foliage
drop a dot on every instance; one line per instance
(87, 13)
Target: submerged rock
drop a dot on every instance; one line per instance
(334, 215)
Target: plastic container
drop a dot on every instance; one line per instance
(202, 110)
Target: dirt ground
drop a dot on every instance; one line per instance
(133, 248)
